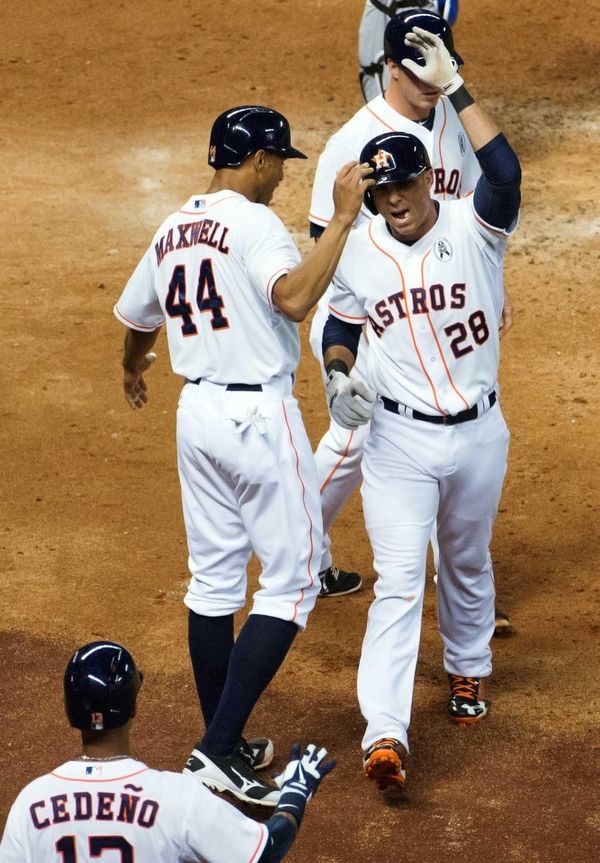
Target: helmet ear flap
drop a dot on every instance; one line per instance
(370, 203)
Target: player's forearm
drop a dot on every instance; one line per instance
(283, 829)
(299, 290)
(480, 128)
(338, 358)
(136, 346)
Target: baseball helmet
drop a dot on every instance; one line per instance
(396, 157)
(400, 25)
(101, 685)
(239, 132)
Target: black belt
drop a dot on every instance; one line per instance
(236, 388)
(447, 419)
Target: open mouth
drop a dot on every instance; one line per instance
(400, 215)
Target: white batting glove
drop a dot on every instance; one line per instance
(440, 69)
(301, 778)
(350, 402)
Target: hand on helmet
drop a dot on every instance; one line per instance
(349, 188)
(440, 69)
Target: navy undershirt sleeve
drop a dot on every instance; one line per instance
(498, 191)
(336, 332)
(316, 230)
(281, 836)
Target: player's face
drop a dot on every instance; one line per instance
(412, 97)
(272, 175)
(408, 208)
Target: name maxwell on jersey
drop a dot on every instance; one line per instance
(205, 232)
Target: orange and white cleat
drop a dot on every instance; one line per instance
(383, 762)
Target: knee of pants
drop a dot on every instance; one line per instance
(215, 597)
(294, 606)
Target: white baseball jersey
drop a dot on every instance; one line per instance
(455, 166)
(123, 811)
(432, 308)
(217, 304)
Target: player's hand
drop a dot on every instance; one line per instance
(350, 402)
(440, 69)
(134, 385)
(349, 189)
(301, 778)
(506, 319)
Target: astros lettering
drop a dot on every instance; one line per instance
(96, 805)
(422, 301)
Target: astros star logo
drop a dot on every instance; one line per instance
(383, 160)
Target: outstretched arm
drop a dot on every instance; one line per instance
(297, 292)
(300, 782)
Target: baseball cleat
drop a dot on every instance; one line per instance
(502, 623)
(383, 763)
(338, 582)
(232, 774)
(258, 753)
(465, 707)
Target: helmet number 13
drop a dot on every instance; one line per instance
(207, 299)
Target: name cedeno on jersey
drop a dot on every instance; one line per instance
(97, 805)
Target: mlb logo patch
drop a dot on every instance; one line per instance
(92, 770)
(200, 203)
(383, 160)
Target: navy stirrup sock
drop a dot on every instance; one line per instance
(259, 650)
(210, 642)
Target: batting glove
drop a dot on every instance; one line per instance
(350, 402)
(440, 69)
(301, 778)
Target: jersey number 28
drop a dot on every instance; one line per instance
(478, 328)
(207, 299)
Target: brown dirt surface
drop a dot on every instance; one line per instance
(106, 114)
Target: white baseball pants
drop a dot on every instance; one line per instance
(248, 482)
(414, 472)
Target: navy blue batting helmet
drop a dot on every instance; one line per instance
(396, 157)
(101, 685)
(400, 25)
(239, 132)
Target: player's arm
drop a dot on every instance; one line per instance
(497, 194)
(300, 781)
(137, 358)
(295, 293)
(350, 401)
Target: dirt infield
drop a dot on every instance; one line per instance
(107, 108)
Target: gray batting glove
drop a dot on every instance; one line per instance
(440, 69)
(350, 402)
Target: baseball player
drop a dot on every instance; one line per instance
(408, 105)
(374, 76)
(225, 278)
(425, 278)
(107, 805)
